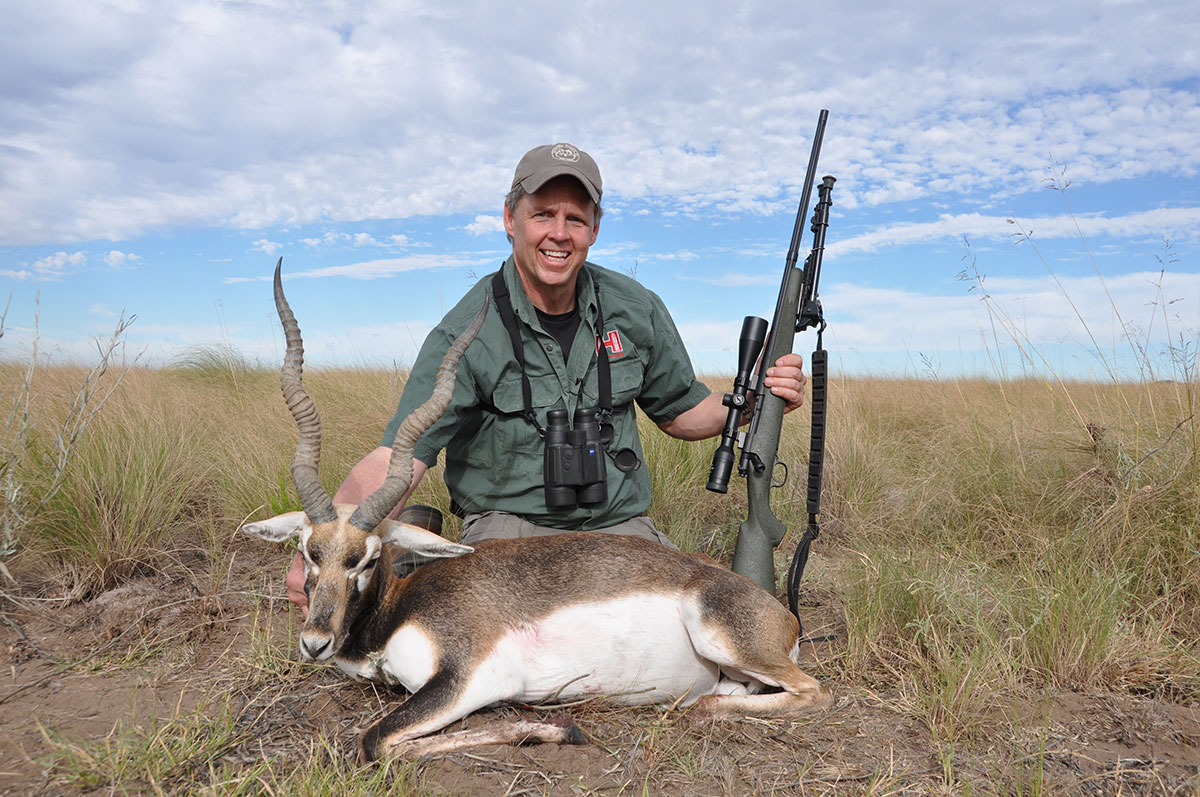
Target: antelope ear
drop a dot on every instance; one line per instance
(419, 540)
(279, 528)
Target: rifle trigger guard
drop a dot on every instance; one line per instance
(779, 464)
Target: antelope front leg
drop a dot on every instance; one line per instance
(431, 708)
(561, 730)
(440, 702)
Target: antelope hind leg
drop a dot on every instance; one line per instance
(773, 704)
(754, 640)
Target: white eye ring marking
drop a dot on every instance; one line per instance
(360, 570)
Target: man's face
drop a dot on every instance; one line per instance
(551, 231)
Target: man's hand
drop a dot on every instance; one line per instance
(295, 585)
(786, 379)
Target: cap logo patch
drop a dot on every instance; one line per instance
(565, 152)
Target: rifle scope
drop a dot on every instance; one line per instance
(750, 344)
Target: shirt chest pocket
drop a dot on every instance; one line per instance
(626, 376)
(513, 434)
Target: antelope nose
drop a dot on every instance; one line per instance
(314, 649)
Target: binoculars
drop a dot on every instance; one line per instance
(574, 461)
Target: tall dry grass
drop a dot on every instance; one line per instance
(1013, 534)
(999, 537)
(175, 462)
(1056, 526)
(28, 440)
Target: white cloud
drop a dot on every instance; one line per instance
(129, 119)
(1177, 224)
(485, 225)
(55, 266)
(329, 238)
(376, 269)
(116, 259)
(1041, 310)
(711, 336)
(684, 255)
(268, 120)
(355, 239)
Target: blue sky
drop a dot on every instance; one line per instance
(156, 159)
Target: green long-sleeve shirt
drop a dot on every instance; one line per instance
(494, 457)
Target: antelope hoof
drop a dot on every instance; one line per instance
(368, 745)
(571, 733)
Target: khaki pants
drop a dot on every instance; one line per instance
(504, 526)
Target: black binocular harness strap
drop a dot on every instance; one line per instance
(603, 376)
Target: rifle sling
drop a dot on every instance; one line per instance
(816, 462)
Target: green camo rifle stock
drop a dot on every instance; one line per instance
(797, 308)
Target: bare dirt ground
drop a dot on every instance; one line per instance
(159, 651)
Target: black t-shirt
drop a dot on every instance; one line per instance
(562, 326)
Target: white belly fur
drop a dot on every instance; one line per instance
(635, 649)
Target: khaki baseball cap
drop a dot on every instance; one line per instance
(544, 163)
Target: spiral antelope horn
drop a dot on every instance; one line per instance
(316, 502)
(378, 504)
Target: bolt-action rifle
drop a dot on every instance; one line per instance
(797, 309)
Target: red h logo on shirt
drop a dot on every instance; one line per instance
(612, 342)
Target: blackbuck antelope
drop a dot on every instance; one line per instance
(528, 620)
